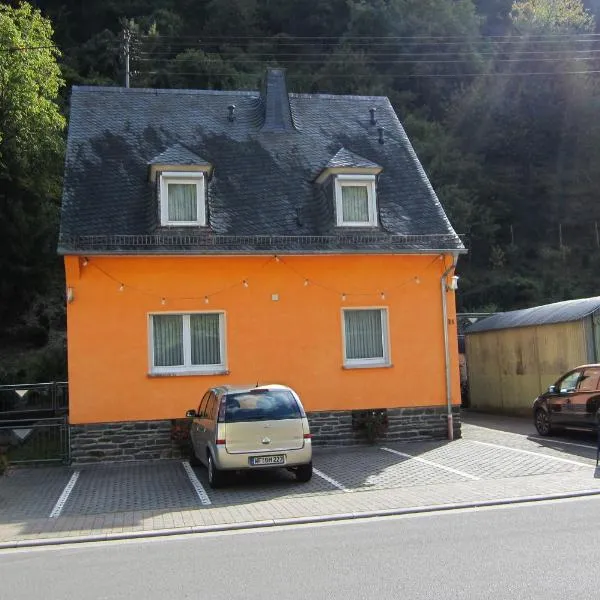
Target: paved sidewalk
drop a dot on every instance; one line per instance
(493, 463)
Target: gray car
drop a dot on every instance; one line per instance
(251, 427)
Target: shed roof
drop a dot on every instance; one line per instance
(558, 312)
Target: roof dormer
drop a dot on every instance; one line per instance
(354, 189)
(181, 188)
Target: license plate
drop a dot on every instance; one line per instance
(278, 459)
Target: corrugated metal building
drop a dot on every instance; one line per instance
(512, 356)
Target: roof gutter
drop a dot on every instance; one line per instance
(445, 288)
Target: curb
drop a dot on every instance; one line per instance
(132, 535)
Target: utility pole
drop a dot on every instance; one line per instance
(126, 48)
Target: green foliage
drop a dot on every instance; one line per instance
(31, 150)
(552, 16)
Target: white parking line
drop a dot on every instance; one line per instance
(332, 481)
(553, 441)
(565, 460)
(432, 463)
(200, 491)
(62, 500)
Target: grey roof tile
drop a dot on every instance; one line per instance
(557, 312)
(345, 158)
(263, 181)
(177, 155)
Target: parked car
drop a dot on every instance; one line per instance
(240, 428)
(572, 402)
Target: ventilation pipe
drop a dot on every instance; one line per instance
(373, 119)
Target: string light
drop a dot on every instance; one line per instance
(245, 283)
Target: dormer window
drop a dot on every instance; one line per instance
(355, 201)
(182, 199)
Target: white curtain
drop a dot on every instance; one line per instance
(355, 204)
(363, 334)
(168, 340)
(182, 202)
(205, 339)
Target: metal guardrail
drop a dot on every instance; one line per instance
(215, 242)
(35, 440)
(45, 399)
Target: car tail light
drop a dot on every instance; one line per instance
(307, 436)
(220, 442)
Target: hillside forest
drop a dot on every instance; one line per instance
(500, 98)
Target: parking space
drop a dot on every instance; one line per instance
(135, 487)
(484, 453)
(31, 493)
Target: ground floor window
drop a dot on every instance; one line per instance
(366, 340)
(182, 343)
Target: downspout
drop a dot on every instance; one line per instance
(445, 288)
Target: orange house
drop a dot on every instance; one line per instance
(233, 237)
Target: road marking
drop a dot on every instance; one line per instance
(565, 460)
(553, 441)
(332, 481)
(62, 500)
(432, 463)
(550, 440)
(200, 491)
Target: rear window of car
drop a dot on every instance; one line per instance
(261, 405)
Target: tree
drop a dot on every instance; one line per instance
(551, 16)
(31, 146)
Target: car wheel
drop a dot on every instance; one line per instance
(542, 422)
(304, 473)
(215, 476)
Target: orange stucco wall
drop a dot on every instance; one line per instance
(295, 340)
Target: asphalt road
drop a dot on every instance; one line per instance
(544, 550)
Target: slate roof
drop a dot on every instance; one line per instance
(262, 196)
(345, 158)
(558, 312)
(177, 155)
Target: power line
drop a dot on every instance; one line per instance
(243, 61)
(374, 74)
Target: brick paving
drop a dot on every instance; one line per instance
(496, 459)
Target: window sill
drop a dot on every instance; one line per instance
(188, 373)
(367, 366)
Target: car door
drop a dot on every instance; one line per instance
(584, 402)
(197, 429)
(559, 398)
(210, 421)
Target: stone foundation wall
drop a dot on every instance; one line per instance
(151, 440)
(404, 424)
(133, 440)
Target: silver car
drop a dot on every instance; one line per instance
(245, 427)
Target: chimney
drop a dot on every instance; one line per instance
(278, 115)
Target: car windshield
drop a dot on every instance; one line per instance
(261, 405)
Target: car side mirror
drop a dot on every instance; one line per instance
(190, 414)
(552, 389)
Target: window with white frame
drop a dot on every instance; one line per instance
(187, 343)
(366, 340)
(355, 201)
(182, 199)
